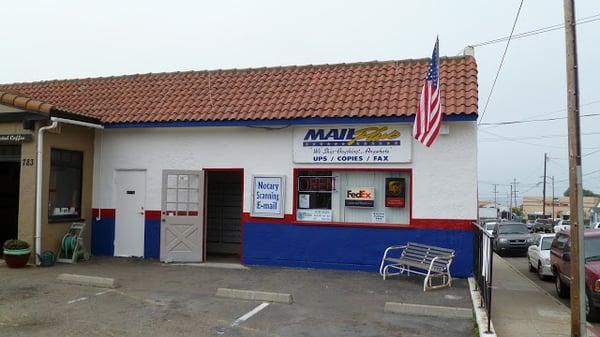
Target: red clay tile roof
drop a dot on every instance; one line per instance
(372, 89)
(23, 102)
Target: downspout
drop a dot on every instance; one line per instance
(39, 183)
(38, 189)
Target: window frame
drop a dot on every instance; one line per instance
(409, 192)
(66, 218)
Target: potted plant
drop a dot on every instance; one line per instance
(16, 253)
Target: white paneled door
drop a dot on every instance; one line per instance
(129, 218)
(181, 231)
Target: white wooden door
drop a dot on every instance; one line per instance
(129, 218)
(181, 231)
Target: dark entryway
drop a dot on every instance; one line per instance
(223, 213)
(10, 175)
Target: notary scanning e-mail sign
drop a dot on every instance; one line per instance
(268, 192)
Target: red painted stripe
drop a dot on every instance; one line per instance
(104, 212)
(152, 215)
(156, 215)
(449, 224)
(446, 224)
(289, 219)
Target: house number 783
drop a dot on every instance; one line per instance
(27, 162)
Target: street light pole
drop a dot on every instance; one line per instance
(578, 319)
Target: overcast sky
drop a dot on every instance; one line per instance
(73, 39)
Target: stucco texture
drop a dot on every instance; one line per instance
(444, 176)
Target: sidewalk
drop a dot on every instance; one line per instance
(520, 308)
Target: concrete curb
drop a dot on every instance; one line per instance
(427, 310)
(255, 295)
(91, 281)
(210, 265)
(480, 313)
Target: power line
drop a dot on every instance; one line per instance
(544, 113)
(541, 137)
(536, 120)
(589, 153)
(583, 175)
(537, 31)
(516, 140)
(501, 62)
(520, 142)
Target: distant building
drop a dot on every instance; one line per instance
(534, 205)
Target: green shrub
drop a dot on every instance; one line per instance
(15, 244)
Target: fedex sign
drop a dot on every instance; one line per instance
(360, 197)
(353, 144)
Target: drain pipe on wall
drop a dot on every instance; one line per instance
(38, 177)
(38, 189)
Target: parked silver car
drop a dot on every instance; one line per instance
(538, 255)
(511, 237)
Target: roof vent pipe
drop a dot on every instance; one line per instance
(469, 51)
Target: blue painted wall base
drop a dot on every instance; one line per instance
(103, 236)
(348, 248)
(152, 239)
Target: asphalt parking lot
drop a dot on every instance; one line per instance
(169, 300)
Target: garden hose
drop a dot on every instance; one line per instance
(47, 258)
(68, 245)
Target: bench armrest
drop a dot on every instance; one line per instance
(385, 255)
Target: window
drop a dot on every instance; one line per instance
(64, 197)
(513, 229)
(353, 196)
(315, 189)
(546, 242)
(560, 241)
(592, 248)
(536, 239)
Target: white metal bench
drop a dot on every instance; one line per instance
(433, 262)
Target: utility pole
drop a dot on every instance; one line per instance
(510, 204)
(496, 200)
(578, 322)
(544, 189)
(515, 191)
(553, 198)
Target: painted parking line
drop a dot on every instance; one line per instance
(86, 298)
(249, 314)
(77, 300)
(243, 318)
(104, 292)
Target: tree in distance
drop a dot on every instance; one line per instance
(586, 193)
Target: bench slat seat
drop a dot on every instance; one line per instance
(431, 261)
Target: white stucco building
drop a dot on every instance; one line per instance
(308, 166)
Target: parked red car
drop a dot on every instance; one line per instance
(560, 259)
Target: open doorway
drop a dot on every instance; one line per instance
(224, 195)
(10, 175)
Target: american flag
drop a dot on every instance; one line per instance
(429, 112)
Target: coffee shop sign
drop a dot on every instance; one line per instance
(15, 138)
